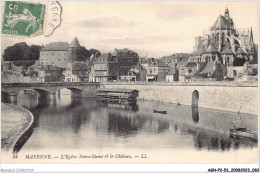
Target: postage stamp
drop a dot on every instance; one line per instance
(23, 19)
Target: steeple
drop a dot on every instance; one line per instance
(251, 36)
(74, 43)
(227, 14)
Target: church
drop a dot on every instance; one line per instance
(224, 43)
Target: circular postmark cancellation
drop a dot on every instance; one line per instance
(28, 19)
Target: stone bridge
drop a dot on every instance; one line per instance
(78, 89)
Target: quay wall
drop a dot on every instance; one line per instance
(16, 127)
(228, 97)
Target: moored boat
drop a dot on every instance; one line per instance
(243, 132)
(161, 112)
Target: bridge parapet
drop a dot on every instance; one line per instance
(78, 89)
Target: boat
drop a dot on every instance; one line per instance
(242, 132)
(161, 112)
(117, 95)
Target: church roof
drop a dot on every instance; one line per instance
(211, 49)
(227, 51)
(222, 23)
(56, 46)
(240, 51)
(74, 43)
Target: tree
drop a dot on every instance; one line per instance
(22, 55)
(35, 52)
(239, 61)
(95, 52)
(84, 55)
(16, 52)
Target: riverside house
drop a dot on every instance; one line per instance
(156, 70)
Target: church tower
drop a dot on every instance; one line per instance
(73, 47)
(227, 14)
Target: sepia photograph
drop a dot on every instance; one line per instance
(114, 82)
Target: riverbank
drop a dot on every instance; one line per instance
(224, 96)
(15, 122)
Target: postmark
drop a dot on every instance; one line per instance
(29, 19)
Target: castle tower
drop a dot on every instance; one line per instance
(73, 47)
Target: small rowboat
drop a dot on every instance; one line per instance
(161, 112)
(243, 132)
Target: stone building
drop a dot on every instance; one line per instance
(172, 75)
(105, 68)
(224, 43)
(156, 70)
(59, 54)
(76, 72)
(126, 59)
(49, 73)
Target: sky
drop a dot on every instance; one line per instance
(155, 29)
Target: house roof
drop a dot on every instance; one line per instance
(74, 43)
(122, 50)
(172, 71)
(157, 63)
(191, 64)
(209, 68)
(202, 65)
(56, 46)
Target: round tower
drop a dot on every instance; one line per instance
(73, 47)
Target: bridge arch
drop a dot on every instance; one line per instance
(75, 91)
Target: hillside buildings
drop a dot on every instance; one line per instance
(115, 66)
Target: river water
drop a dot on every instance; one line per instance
(83, 123)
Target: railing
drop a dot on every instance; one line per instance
(191, 83)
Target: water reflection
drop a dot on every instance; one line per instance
(73, 121)
(195, 113)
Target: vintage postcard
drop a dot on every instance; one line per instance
(129, 82)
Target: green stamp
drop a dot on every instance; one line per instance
(23, 19)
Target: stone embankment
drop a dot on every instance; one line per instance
(16, 123)
(228, 96)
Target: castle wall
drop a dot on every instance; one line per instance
(55, 58)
